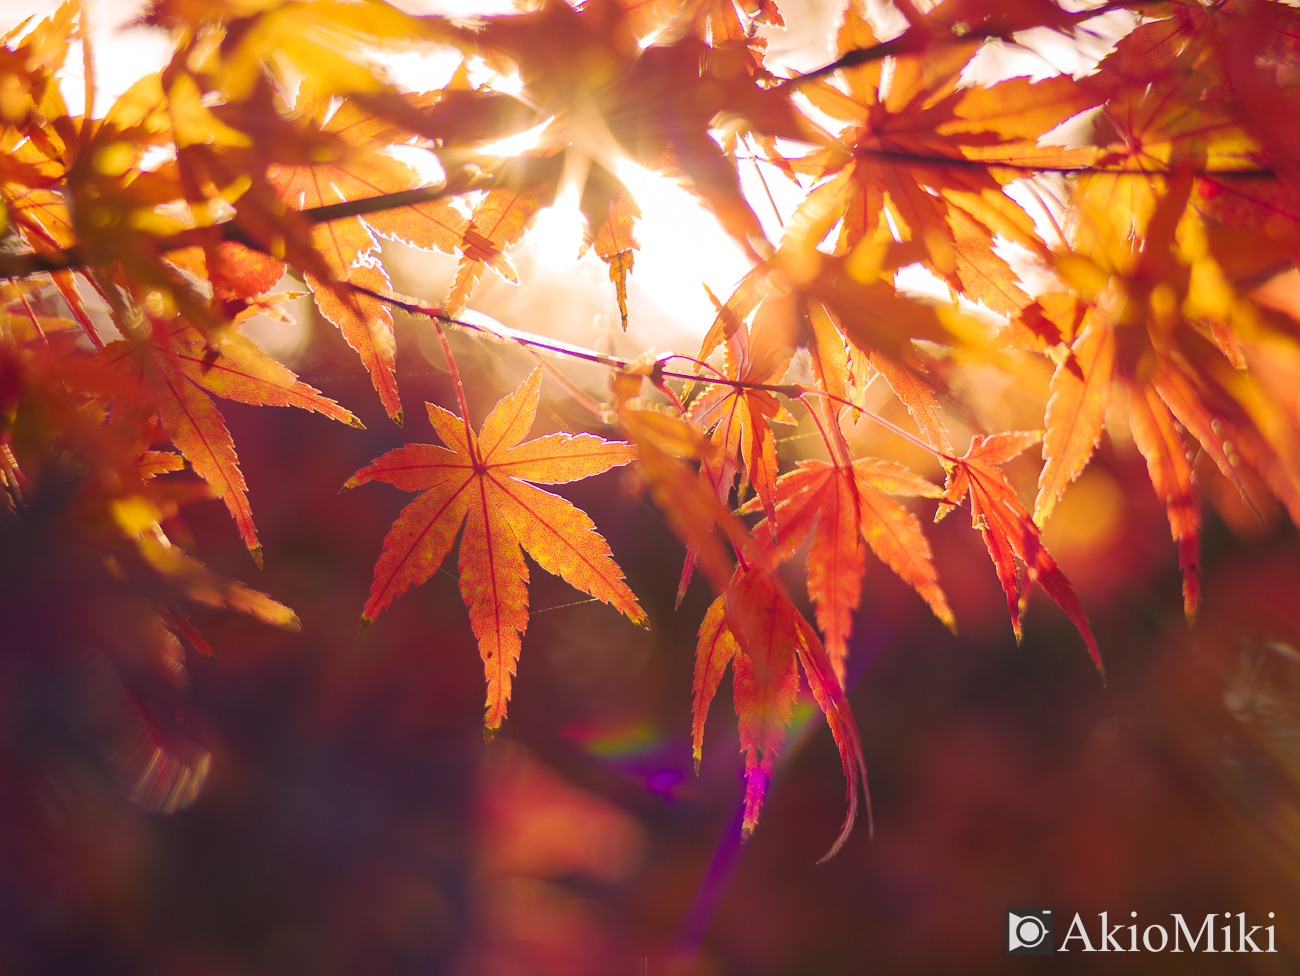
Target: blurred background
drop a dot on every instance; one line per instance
(352, 820)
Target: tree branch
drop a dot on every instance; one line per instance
(944, 162)
(25, 265)
(79, 256)
(917, 38)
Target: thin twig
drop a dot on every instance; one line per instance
(470, 445)
(916, 38)
(830, 448)
(792, 390)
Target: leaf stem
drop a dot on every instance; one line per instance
(887, 424)
(830, 448)
(470, 443)
(698, 362)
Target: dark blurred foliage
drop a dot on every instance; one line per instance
(353, 820)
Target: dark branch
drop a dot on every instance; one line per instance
(918, 38)
(24, 265)
(945, 162)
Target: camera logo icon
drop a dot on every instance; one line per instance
(1029, 932)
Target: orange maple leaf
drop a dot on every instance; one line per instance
(757, 630)
(651, 99)
(348, 246)
(840, 506)
(1076, 410)
(1155, 432)
(739, 420)
(739, 417)
(177, 370)
(1179, 296)
(482, 482)
(908, 152)
(1009, 532)
(349, 166)
(499, 221)
(684, 495)
(841, 369)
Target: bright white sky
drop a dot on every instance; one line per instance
(681, 243)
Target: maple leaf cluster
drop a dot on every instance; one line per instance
(137, 242)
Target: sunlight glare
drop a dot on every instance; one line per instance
(423, 161)
(518, 143)
(557, 236)
(420, 69)
(510, 84)
(682, 245)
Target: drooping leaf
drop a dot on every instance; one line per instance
(1009, 533)
(756, 627)
(1156, 436)
(684, 495)
(715, 650)
(1080, 392)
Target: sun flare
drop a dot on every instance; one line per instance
(682, 248)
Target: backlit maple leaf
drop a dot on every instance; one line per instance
(349, 246)
(839, 506)
(610, 98)
(915, 149)
(1165, 329)
(684, 495)
(739, 417)
(757, 630)
(481, 481)
(1009, 532)
(175, 371)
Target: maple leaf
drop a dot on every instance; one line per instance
(138, 517)
(840, 506)
(1009, 533)
(739, 416)
(842, 370)
(481, 481)
(611, 98)
(1169, 106)
(755, 628)
(348, 247)
(925, 152)
(806, 291)
(1080, 392)
(615, 243)
(1156, 435)
(31, 89)
(499, 221)
(685, 496)
(1192, 323)
(176, 369)
(717, 22)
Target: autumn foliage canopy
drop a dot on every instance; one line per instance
(1148, 199)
